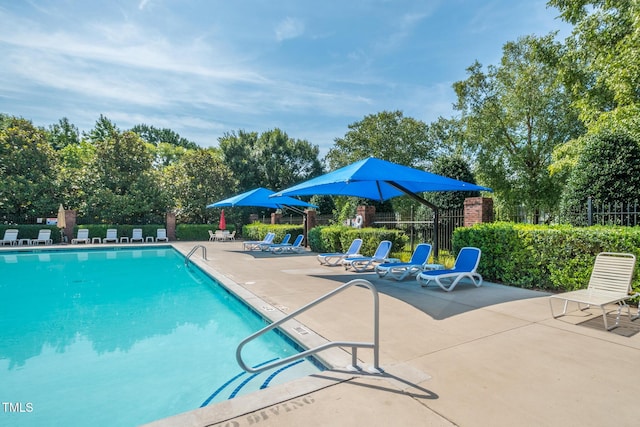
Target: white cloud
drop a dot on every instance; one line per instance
(290, 28)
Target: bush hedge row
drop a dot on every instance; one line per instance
(338, 238)
(258, 231)
(556, 258)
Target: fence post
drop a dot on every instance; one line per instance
(477, 210)
(171, 225)
(589, 211)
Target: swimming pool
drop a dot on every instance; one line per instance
(122, 336)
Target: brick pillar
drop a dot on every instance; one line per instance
(276, 218)
(368, 214)
(311, 220)
(171, 225)
(477, 210)
(70, 217)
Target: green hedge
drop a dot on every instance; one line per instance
(558, 258)
(258, 231)
(338, 238)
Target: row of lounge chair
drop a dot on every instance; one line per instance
(466, 264)
(11, 238)
(268, 245)
(609, 283)
(112, 236)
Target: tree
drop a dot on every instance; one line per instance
(200, 178)
(386, 135)
(607, 170)
(515, 114)
(62, 134)
(121, 185)
(28, 169)
(272, 160)
(453, 166)
(600, 63)
(156, 136)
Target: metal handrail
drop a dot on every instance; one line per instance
(193, 250)
(375, 345)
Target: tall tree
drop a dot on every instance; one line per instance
(515, 114)
(63, 133)
(28, 168)
(600, 63)
(156, 136)
(272, 160)
(387, 135)
(199, 178)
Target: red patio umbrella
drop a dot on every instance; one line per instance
(223, 222)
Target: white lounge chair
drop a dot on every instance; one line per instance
(10, 237)
(400, 270)
(335, 258)
(161, 235)
(610, 283)
(136, 235)
(251, 245)
(466, 265)
(44, 237)
(361, 264)
(289, 248)
(81, 237)
(112, 236)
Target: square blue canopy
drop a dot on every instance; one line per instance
(260, 197)
(379, 180)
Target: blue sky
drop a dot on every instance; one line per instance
(206, 67)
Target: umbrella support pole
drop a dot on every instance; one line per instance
(436, 213)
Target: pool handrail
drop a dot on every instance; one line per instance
(375, 345)
(193, 250)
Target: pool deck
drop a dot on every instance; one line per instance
(472, 357)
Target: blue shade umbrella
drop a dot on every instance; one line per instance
(377, 180)
(381, 180)
(260, 197)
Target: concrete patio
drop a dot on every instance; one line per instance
(473, 357)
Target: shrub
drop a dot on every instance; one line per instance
(548, 257)
(338, 238)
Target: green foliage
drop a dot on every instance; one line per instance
(28, 169)
(452, 166)
(157, 136)
(515, 114)
(272, 160)
(337, 238)
(607, 170)
(386, 135)
(258, 231)
(547, 257)
(197, 180)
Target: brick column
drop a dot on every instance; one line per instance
(478, 210)
(276, 218)
(368, 214)
(70, 217)
(171, 225)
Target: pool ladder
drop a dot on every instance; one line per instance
(375, 344)
(193, 250)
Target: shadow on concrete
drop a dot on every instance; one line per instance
(436, 302)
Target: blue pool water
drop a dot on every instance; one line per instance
(121, 337)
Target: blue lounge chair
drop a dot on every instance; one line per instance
(285, 241)
(465, 266)
(335, 258)
(251, 245)
(289, 248)
(361, 264)
(399, 270)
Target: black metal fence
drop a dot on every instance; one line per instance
(420, 228)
